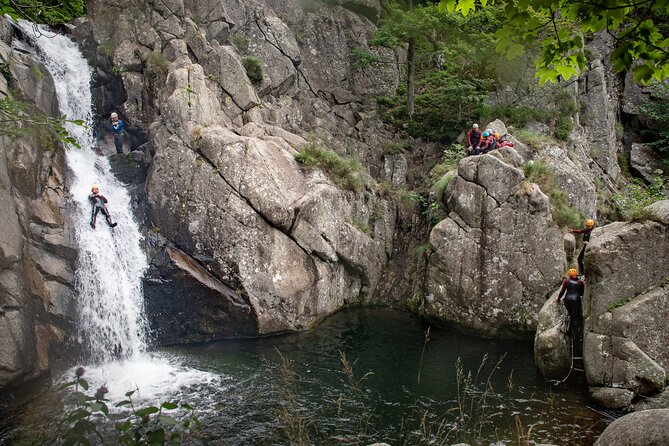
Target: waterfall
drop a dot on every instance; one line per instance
(111, 262)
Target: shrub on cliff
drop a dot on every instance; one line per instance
(51, 12)
(346, 173)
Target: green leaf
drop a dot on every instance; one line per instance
(147, 411)
(123, 427)
(129, 394)
(465, 6)
(83, 383)
(96, 407)
(168, 420)
(123, 403)
(156, 437)
(567, 71)
(169, 406)
(643, 73)
(514, 50)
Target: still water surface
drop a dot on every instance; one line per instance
(253, 397)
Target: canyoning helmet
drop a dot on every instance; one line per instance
(496, 135)
(114, 115)
(589, 223)
(95, 188)
(486, 134)
(572, 272)
(489, 131)
(475, 126)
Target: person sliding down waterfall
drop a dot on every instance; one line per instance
(98, 201)
(572, 290)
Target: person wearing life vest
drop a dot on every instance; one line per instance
(99, 205)
(489, 142)
(474, 139)
(117, 130)
(589, 226)
(572, 291)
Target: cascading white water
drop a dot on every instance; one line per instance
(111, 262)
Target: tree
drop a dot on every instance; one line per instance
(411, 27)
(51, 12)
(638, 26)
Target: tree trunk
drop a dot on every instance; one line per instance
(411, 74)
(411, 69)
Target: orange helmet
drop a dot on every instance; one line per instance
(589, 223)
(572, 272)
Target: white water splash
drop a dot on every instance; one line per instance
(111, 262)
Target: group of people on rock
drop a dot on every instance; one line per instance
(484, 142)
(99, 201)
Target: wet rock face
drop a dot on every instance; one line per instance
(626, 304)
(37, 255)
(498, 255)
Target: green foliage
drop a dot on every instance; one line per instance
(452, 156)
(17, 118)
(558, 26)
(441, 185)
(151, 425)
(532, 139)
(51, 12)
(515, 116)
(444, 103)
(360, 226)
(657, 110)
(635, 197)
(542, 174)
(240, 42)
(363, 58)
(454, 72)
(253, 67)
(563, 127)
(346, 173)
(396, 147)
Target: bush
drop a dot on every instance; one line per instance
(563, 127)
(515, 116)
(253, 67)
(635, 197)
(441, 185)
(150, 425)
(346, 173)
(532, 139)
(51, 12)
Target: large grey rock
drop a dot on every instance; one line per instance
(497, 256)
(610, 397)
(625, 319)
(645, 428)
(552, 347)
(646, 161)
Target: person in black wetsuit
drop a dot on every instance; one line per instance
(589, 226)
(98, 201)
(572, 291)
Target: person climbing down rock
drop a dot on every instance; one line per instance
(572, 291)
(117, 129)
(98, 201)
(589, 226)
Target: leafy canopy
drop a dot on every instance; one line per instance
(51, 12)
(638, 26)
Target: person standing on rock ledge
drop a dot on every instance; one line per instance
(572, 291)
(589, 226)
(117, 129)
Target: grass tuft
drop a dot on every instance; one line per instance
(347, 173)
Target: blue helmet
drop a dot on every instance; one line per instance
(486, 134)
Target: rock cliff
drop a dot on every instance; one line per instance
(36, 251)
